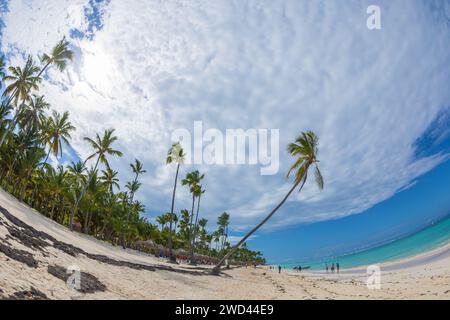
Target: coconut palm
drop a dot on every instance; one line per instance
(2, 69)
(137, 169)
(57, 129)
(23, 81)
(198, 191)
(102, 147)
(305, 150)
(59, 56)
(192, 180)
(109, 178)
(223, 221)
(175, 155)
(33, 114)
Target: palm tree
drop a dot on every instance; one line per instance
(102, 147)
(305, 149)
(33, 114)
(137, 169)
(192, 180)
(23, 80)
(175, 155)
(223, 221)
(198, 191)
(2, 69)
(57, 130)
(109, 178)
(59, 56)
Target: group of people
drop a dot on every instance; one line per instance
(333, 267)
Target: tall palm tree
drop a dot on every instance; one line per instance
(192, 180)
(175, 155)
(198, 191)
(305, 150)
(102, 147)
(57, 130)
(23, 81)
(223, 221)
(137, 169)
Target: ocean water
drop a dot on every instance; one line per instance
(424, 240)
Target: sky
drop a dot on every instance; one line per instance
(377, 99)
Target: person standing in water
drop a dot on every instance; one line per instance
(279, 269)
(337, 267)
(326, 267)
(332, 267)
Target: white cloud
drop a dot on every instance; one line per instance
(294, 65)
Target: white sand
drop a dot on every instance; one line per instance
(426, 276)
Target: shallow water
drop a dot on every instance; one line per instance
(424, 240)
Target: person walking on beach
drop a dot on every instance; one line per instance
(279, 269)
(332, 267)
(326, 267)
(337, 267)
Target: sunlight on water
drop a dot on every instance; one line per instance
(427, 239)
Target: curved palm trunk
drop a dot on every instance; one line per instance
(216, 269)
(171, 256)
(191, 258)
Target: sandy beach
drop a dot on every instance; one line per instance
(35, 253)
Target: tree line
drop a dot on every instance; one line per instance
(86, 195)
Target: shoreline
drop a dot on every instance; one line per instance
(33, 265)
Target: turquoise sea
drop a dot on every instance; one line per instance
(424, 240)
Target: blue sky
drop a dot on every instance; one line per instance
(378, 99)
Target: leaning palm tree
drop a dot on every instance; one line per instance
(57, 131)
(102, 147)
(305, 149)
(175, 155)
(58, 57)
(23, 81)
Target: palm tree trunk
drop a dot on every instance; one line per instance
(192, 260)
(78, 200)
(13, 124)
(46, 158)
(216, 269)
(171, 257)
(7, 130)
(191, 219)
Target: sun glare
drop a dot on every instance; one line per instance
(97, 69)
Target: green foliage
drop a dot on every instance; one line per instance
(87, 194)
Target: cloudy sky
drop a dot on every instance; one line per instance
(378, 99)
